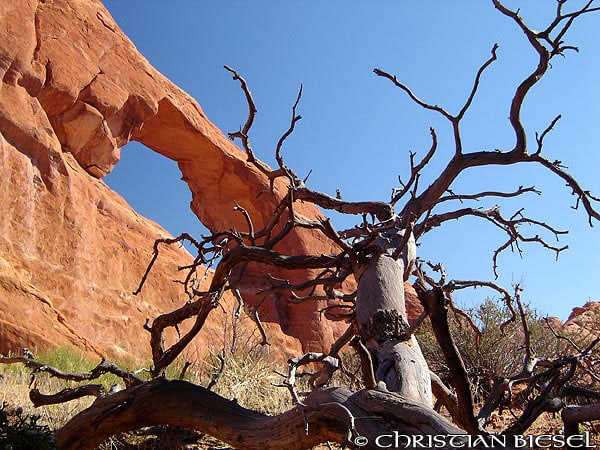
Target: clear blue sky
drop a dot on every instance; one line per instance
(357, 129)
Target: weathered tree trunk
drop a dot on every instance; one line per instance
(382, 320)
(572, 416)
(327, 416)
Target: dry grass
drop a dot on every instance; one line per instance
(16, 380)
(249, 375)
(250, 370)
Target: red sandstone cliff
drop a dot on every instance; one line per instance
(74, 90)
(583, 323)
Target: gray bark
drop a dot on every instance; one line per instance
(572, 416)
(328, 416)
(383, 324)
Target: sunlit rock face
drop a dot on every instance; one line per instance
(584, 321)
(73, 91)
(583, 324)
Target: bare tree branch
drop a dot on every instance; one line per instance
(415, 169)
(290, 130)
(248, 221)
(484, 66)
(383, 211)
(366, 362)
(434, 303)
(540, 137)
(572, 416)
(102, 368)
(454, 120)
(243, 133)
(463, 197)
(413, 97)
(454, 285)
(66, 395)
(583, 196)
(252, 312)
(305, 359)
(323, 376)
(510, 226)
(216, 377)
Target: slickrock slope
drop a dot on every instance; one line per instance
(74, 90)
(584, 321)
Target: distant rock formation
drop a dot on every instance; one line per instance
(73, 91)
(583, 322)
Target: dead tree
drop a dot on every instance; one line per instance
(379, 254)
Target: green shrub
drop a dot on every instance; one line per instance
(496, 352)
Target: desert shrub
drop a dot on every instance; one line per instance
(247, 371)
(237, 367)
(350, 374)
(23, 431)
(496, 351)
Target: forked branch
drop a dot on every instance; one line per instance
(383, 211)
(511, 226)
